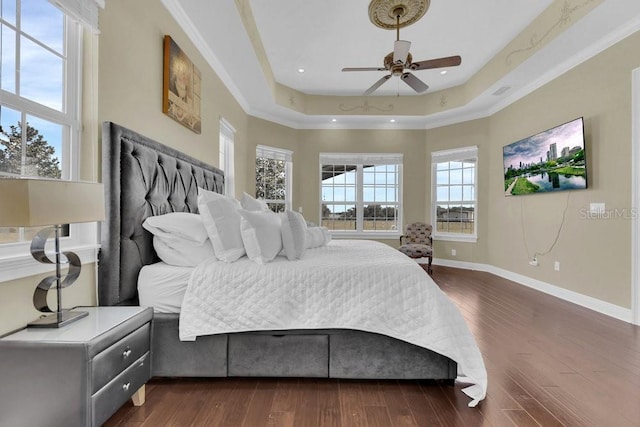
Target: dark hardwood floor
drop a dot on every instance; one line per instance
(550, 363)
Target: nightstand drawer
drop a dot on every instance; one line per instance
(61, 368)
(113, 360)
(111, 397)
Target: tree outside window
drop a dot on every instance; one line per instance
(35, 158)
(273, 177)
(39, 83)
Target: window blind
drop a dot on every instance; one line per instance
(85, 11)
(274, 153)
(361, 158)
(455, 154)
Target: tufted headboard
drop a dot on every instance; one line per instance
(141, 178)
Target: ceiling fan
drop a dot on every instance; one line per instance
(400, 60)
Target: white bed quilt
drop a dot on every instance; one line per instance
(347, 284)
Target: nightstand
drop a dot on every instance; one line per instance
(77, 375)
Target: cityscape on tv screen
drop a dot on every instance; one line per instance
(552, 160)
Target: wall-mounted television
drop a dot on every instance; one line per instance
(553, 160)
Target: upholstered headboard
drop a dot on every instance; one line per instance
(141, 178)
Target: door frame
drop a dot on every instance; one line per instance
(635, 195)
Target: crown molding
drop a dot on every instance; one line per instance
(296, 120)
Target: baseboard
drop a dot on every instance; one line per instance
(459, 264)
(603, 307)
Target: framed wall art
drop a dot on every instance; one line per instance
(181, 87)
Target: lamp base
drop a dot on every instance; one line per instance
(58, 320)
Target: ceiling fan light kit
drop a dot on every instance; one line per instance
(393, 15)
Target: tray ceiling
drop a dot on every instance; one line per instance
(508, 48)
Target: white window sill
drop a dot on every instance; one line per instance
(24, 265)
(364, 235)
(455, 238)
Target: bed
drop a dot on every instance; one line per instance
(143, 178)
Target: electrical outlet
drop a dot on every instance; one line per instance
(556, 266)
(534, 262)
(597, 208)
(453, 252)
(300, 209)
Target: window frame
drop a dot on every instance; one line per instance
(359, 160)
(70, 115)
(286, 156)
(227, 156)
(452, 155)
(15, 258)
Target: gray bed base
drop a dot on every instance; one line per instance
(143, 178)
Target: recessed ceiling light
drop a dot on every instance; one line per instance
(392, 120)
(334, 120)
(443, 72)
(301, 70)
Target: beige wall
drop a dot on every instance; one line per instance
(130, 81)
(16, 296)
(471, 133)
(129, 92)
(594, 254)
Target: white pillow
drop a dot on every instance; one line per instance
(327, 234)
(252, 204)
(261, 235)
(221, 218)
(177, 224)
(314, 237)
(294, 235)
(317, 236)
(182, 252)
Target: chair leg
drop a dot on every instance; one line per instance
(429, 270)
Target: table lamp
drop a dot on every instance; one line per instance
(28, 202)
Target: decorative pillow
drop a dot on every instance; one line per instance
(294, 235)
(252, 204)
(221, 218)
(182, 252)
(317, 236)
(327, 234)
(261, 235)
(182, 225)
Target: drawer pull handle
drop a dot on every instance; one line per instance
(126, 353)
(126, 386)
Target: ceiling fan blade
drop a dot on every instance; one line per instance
(364, 69)
(415, 83)
(400, 51)
(449, 61)
(376, 85)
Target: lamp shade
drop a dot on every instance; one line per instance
(26, 202)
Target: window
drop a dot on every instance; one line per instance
(453, 196)
(40, 84)
(226, 158)
(273, 177)
(361, 193)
